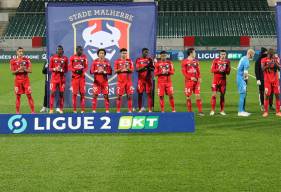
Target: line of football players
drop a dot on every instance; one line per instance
(146, 67)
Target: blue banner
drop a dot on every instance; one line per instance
(101, 25)
(97, 123)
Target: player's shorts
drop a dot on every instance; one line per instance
(78, 85)
(165, 88)
(270, 88)
(57, 84)
(100, 88)
(144, 86)
(219, 86)
(241, 85)
(22, 87)
(191, 87)
(123, 88)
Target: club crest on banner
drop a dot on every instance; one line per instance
(96, 33)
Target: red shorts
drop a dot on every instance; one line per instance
(165, 88)
(191, 87)
(144, 86)
(219, 86)
(270, 88)
(123, 88)
(57, 84)
(100, 88)
(78, 85)
(22, 87)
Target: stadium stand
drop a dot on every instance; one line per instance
(175, 19)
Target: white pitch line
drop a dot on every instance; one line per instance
(248, 73)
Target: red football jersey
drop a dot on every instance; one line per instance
(16, 63)
(101, 69)
(272, 67)
(120, 64)
(220, 68)
(190, 68)
(61, 63)
(164, 70)
(78, 63)
(145, 62)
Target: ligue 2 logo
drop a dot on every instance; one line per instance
(17, 124)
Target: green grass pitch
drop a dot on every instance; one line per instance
(224, 154)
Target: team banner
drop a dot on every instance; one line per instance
(97, 123)
(105, 25)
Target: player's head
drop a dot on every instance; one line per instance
(270, 53)
(101, 53)
(79, 50)
(191, 53)
(20, 51)
(145, 52)
(123, 53)
(222, 54)
(250, 53)
(60, 50)
(163, 55)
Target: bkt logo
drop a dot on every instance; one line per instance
(138, 122)
(17, 124)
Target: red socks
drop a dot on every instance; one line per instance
(199, 105)
(94, 103)
(61, 101)
(18, 104)
(74, 97)
(172, 103)
(52, 99)
(189, 105)
(130, 103)
(82, 102)
(118, 103)
(31, 103)
(162, 103)
(266, 101)
(106, 103)
(213, 103)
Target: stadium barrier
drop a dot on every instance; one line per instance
(97, 123)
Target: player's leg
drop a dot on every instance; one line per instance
(271, 102)
(27, 90)
(222, 97)
(140, 94)
(96, 92)
(82, 89)
(61, 95)
(129, 91)
(53, 86)
(106, 103)
(161, 91)
(242, 87)
(18, 98)
(170, 93)
(198, 98)
(261, 95)
(188, 93)
(213, 98)
(30, 102)
(105, 92)
(75, 90)
(119, 92)
(213, 102)
(149, 96)
(276, 91)
(267, 93)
